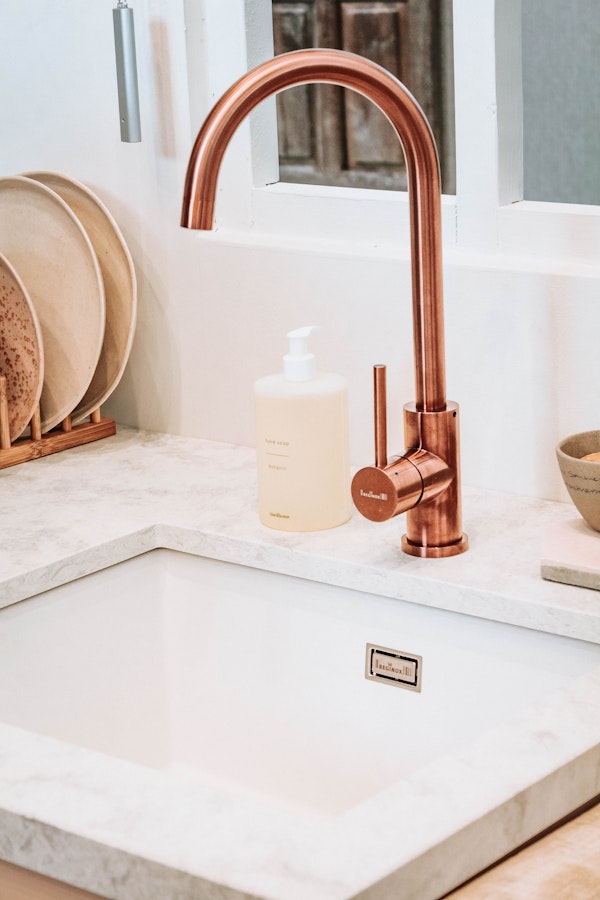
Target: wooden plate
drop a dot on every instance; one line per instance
(120, 286)
(21, 349)
(49, 248)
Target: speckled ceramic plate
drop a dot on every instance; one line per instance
(120, 287)
(49, 248)
(21, 350)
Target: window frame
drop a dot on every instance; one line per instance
(487, 216)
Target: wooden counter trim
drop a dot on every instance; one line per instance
(21, 884)
(563, 864)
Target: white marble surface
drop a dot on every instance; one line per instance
(73, 513)
(571, 554)
(128, 832)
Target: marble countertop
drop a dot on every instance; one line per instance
(72, 513)
(67, 515)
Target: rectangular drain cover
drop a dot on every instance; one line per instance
(394, 667)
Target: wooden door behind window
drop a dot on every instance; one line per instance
(328, 135)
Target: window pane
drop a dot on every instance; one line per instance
(561, 100)
(331, 136)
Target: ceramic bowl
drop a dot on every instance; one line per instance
(582, 476)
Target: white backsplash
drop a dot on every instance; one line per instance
(522, 357)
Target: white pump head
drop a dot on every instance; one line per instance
(298, 363)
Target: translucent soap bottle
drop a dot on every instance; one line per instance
(302, 443)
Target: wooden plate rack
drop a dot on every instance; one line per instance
(63, 437)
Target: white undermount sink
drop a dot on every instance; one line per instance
(235, 683)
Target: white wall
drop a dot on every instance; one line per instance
(522, 326)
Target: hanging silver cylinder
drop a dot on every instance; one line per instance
(127, 83)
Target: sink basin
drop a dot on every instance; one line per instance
(249, 685)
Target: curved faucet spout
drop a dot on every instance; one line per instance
(404, 113)
(425, 481)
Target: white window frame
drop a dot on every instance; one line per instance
(486, 217)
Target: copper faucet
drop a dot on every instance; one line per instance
(425, 480)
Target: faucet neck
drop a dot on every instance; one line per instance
(411, 126)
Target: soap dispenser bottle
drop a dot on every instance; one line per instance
(302, 443)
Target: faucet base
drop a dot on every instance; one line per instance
(434, 528)
(430, 552)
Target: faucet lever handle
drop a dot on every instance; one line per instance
(380, 414)
(387, 489)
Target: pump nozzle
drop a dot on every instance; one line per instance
(298, 363)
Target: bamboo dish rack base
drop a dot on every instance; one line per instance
(63, 437)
